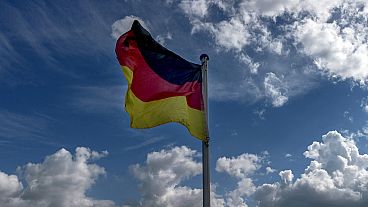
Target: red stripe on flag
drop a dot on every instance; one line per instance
(146, 84)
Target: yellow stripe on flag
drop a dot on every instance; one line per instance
(154, 113)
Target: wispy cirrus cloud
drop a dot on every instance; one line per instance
(36, 28)
(16, 128)
(98, 99)
(148, 142)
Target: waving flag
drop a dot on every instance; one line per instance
(162, 86)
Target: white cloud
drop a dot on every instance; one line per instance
(365, 108)
(241, 28)
(123, 25)
(337, 176)
(162, 174)
(320, 9)
(241, 167)
(269, 170)
(276, 46)
(198, 8)
(164, 171)
(10, 187)
(286, 176)
(253, 66)
(329, 36)
(364, 104)
(336, 153)
(356, 135)
(338, 51)
(162, 38)
(228, 35)
(61, 180)
(270, 8)
(275, 90)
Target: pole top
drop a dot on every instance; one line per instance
(204, 57)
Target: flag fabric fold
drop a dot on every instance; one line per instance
(162, 86)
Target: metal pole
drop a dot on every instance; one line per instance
(205, 143)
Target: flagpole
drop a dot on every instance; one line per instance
(205, 143)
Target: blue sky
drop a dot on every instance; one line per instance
(288, 104)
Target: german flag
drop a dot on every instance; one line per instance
(162, 86)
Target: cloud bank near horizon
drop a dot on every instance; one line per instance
(61, 180)
(336, 176)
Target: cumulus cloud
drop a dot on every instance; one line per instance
(61, 180)
(269, 170)
(286, 176)
(336, 176)
(270, 8)
(340, 51)
(123, 25)
(10, 187)
(300, 39)
(228, 35)
(241, 167)
(162, 174)
(195, 7)
(242, 25)
(241, 28)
